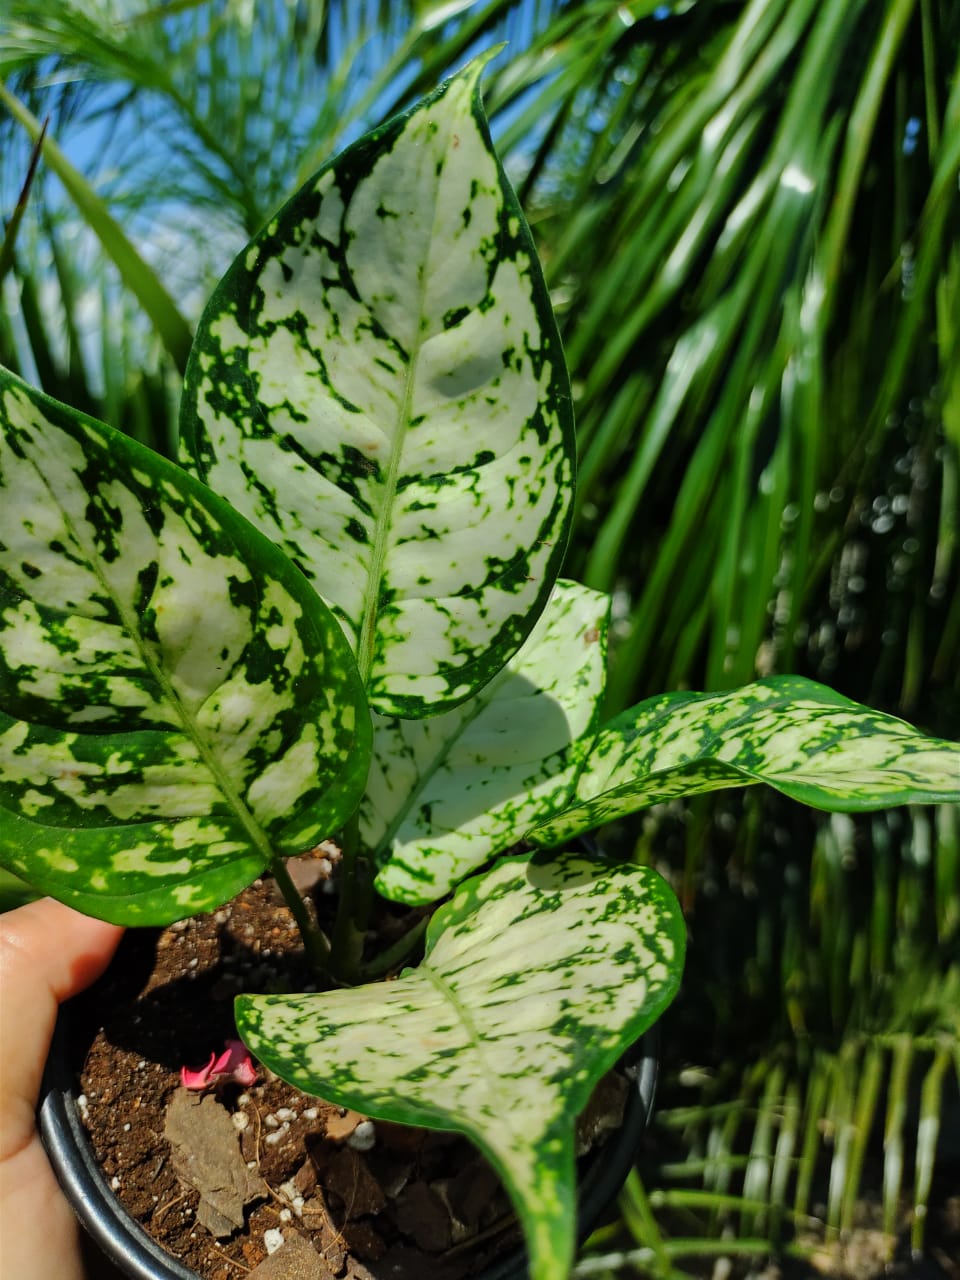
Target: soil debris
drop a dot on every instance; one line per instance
(205, 1153)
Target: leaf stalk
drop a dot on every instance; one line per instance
(353, 908)
(315, 944)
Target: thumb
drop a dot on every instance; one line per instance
(48, 952)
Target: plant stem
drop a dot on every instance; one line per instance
(353, 908)
(13, 226)
(393, 955)
(314, 942)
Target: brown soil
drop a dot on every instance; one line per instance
(410, 1204)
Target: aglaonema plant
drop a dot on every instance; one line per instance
(340, 617)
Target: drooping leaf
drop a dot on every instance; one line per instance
(378, 384)
(798, 736)
(448, 793)
(537, 975)
(177, 706)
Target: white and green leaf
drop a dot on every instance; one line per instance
(446, 794)
(798, 736)
(378, 385)
(537, 976)
(177, 706)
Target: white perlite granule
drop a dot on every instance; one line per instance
(363, 1137)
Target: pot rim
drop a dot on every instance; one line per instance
(118, 1235)
(128, 1245)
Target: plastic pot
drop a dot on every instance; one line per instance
(121, 1239)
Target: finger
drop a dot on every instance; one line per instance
(48, 952)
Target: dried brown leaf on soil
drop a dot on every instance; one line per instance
(296, 1259)
(206, 1156)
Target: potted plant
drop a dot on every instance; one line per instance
(119, 1236)
(340, 617)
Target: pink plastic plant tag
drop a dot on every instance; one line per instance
(233, 1065)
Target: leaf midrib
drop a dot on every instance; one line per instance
(375, 574)
(128, 617)
(366, 642)
(447, 992)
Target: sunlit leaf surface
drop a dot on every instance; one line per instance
(446, 794)
(536, 977)
(378, 385)
(798, 736)
(176, 704)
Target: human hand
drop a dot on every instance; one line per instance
(48, 953)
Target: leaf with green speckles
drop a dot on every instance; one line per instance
(177, 706)
(536, 977)
(378, 385)
(798, 736)
(446, 794)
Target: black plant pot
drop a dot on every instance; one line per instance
(125, 1243)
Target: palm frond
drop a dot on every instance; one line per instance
(775, 1143)
(732, 282)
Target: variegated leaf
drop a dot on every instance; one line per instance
(177, 706)
(446, 794)
(536, 978)
(378, 384)
(798, 736)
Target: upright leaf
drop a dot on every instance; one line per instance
(798, 736)
(536, 978)
(448, 793)
(177, 706)
(378, 384)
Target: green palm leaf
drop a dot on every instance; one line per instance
(378, 385)
(178, 708)
(536, 978)
(136, 274)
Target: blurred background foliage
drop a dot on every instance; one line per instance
(748, 215)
